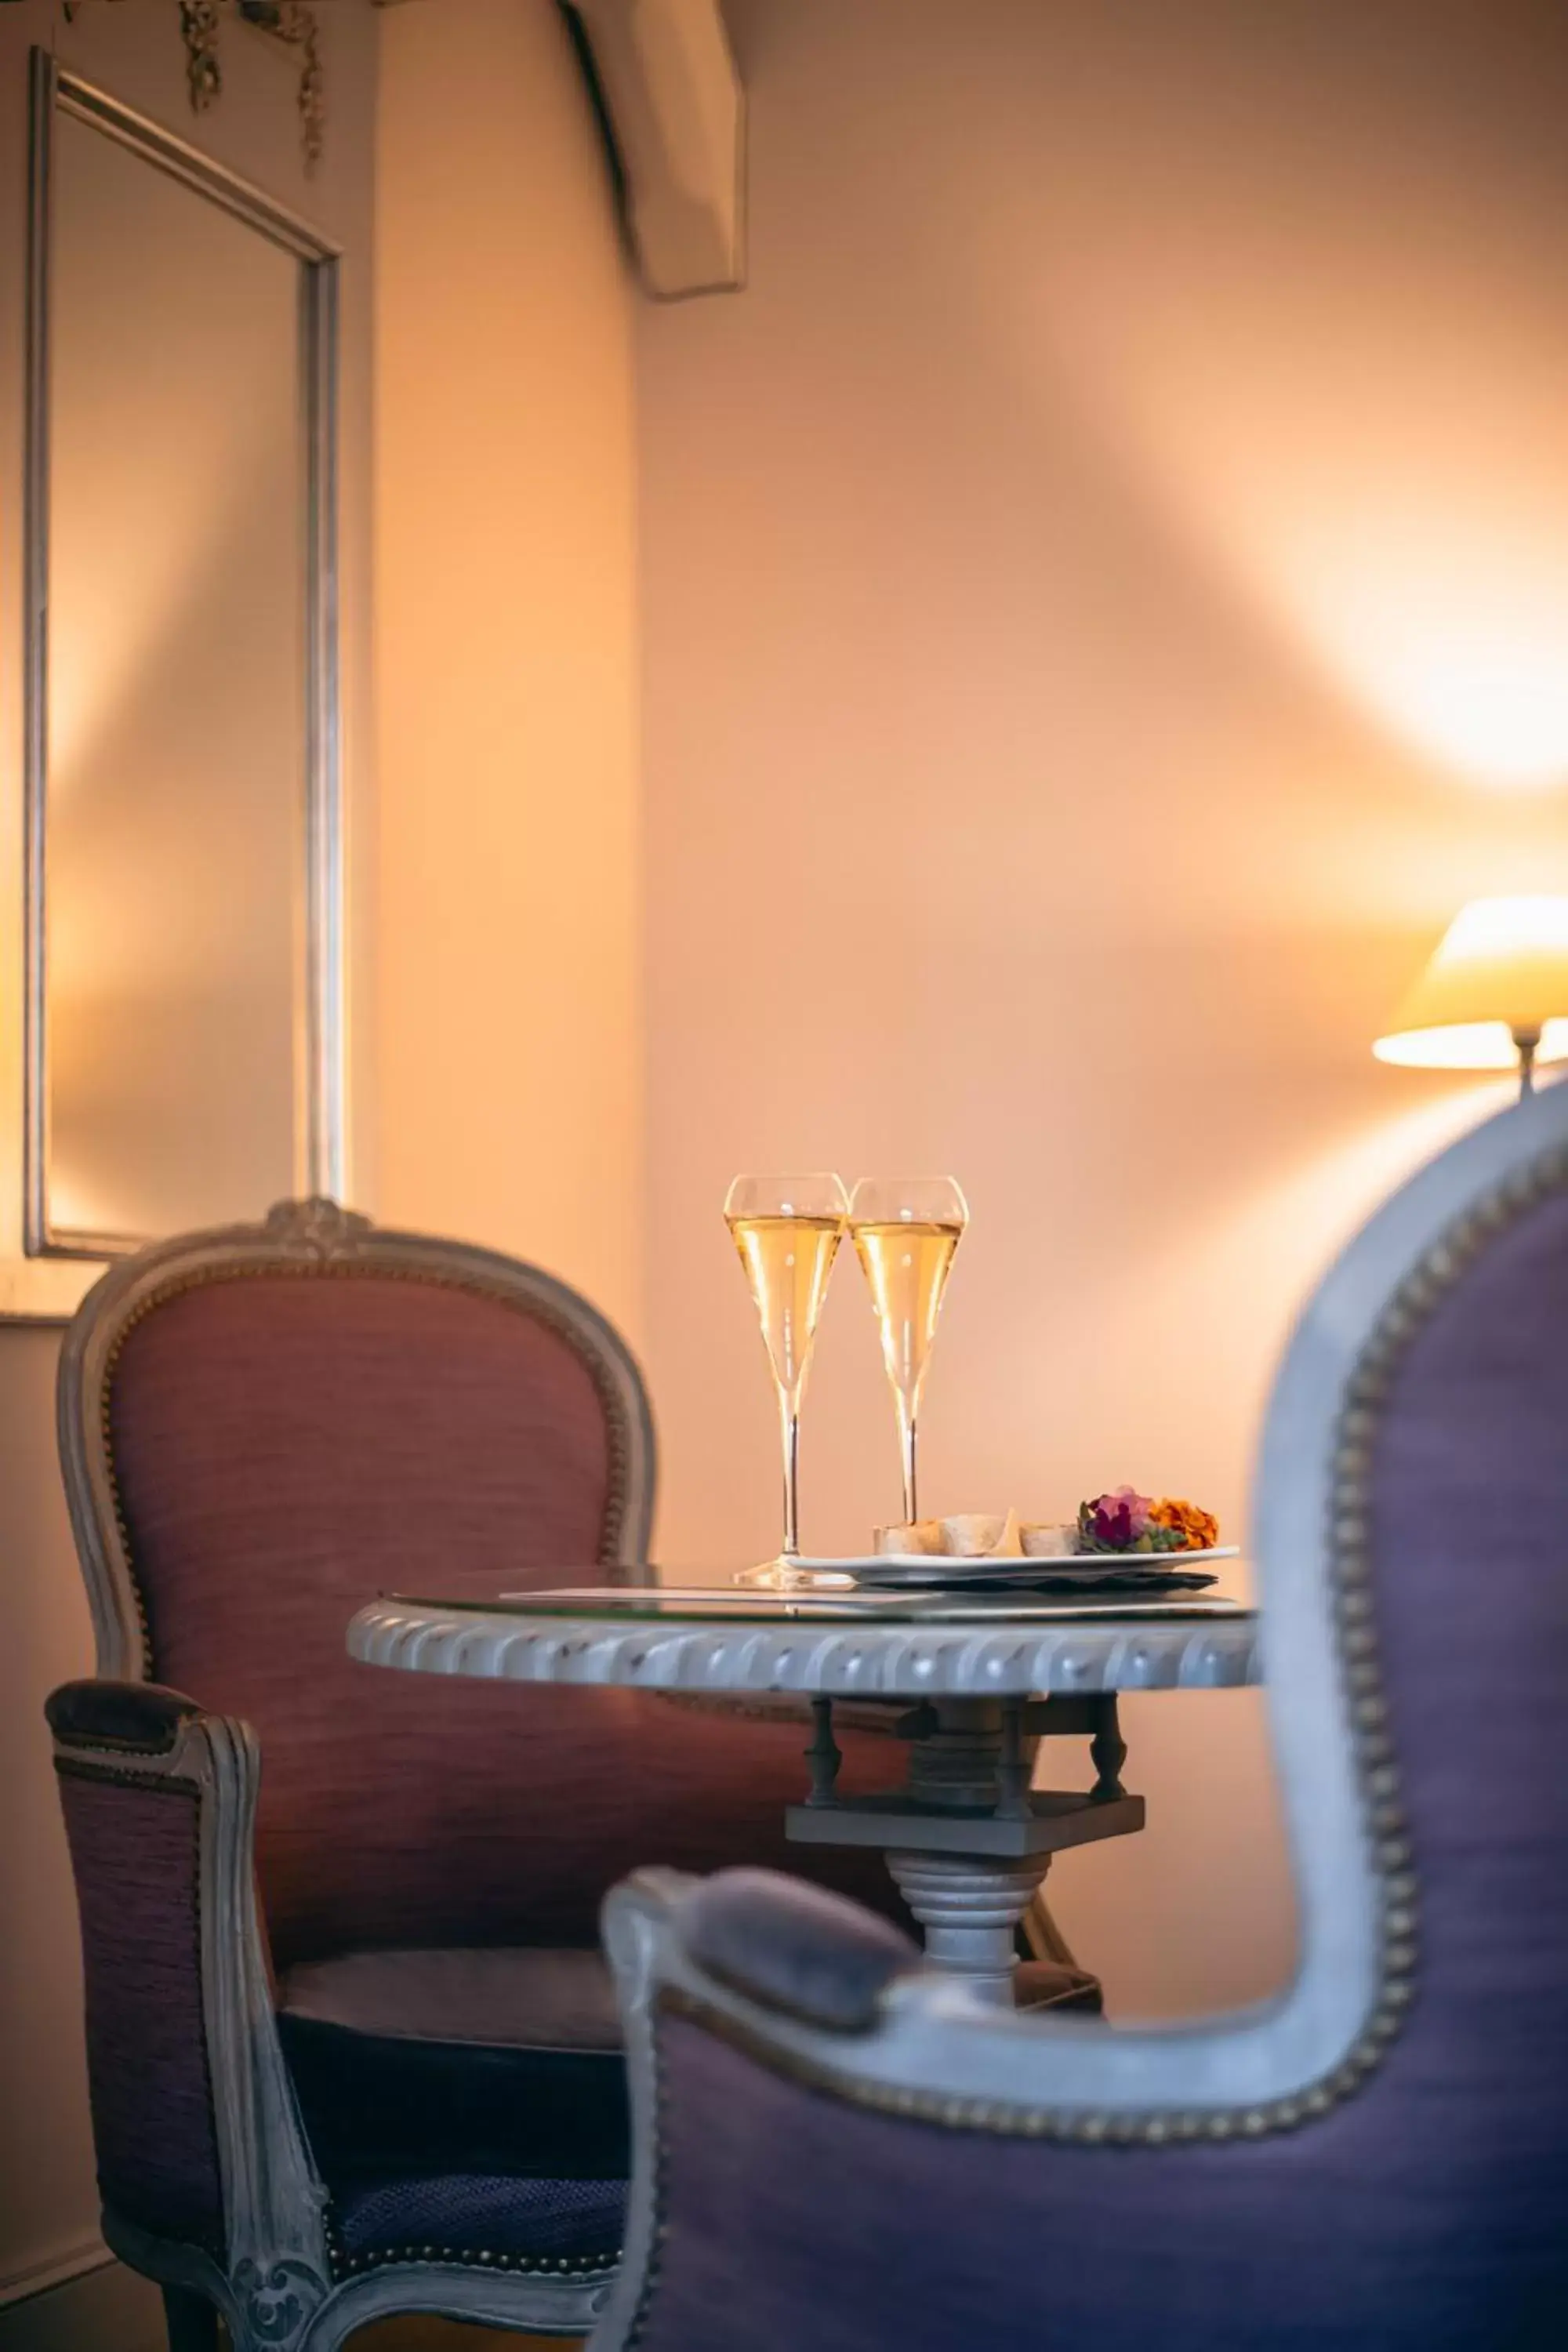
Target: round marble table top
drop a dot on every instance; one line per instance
(897, 1656)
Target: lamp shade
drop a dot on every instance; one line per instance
(1498, 977)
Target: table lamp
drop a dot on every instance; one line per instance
(1495, 995)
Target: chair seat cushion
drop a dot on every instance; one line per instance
(440, 2085)
(548, 2000)
(578, 2222)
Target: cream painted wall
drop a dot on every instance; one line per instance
(508, 889)
(1105, 595)
(47, 2203)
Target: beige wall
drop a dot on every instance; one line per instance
(509, 1101)
(1105, 591)
(48, 2204)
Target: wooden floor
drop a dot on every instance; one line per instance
(412, 2334)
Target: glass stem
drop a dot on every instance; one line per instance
(789, 1425)
(906, 1440)
(1528, 1042)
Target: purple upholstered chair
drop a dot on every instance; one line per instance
(836, 2148)
(351, 2045)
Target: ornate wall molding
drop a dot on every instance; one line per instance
(198, 29)
(291, 21)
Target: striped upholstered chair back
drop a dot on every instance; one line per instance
(262, 1429)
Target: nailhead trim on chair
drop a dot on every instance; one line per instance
(526, 2265)
(295, 1269)
(584, 2266)
(1377, 1772)
(78, 1768)
(106, 1744)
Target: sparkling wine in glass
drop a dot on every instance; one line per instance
(907, 1230)
(787, 1229)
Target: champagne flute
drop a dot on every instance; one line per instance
(787, 1229)
(906, 1232)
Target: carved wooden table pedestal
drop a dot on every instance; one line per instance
(968, 1839)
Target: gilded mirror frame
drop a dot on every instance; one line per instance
(319, 1149)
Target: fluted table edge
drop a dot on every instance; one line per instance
(840, 1660)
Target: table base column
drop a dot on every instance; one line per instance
(970, 1907)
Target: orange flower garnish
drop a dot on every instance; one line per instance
(1198, 1529)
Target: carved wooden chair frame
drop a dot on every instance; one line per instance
(279, 2285)
(937, 2054)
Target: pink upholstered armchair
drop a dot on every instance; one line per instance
(352, 2046)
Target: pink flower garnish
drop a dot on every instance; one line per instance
(1117, 1520)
